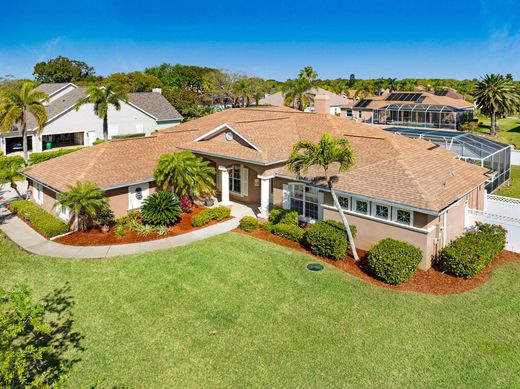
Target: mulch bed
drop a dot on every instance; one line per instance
(429, 282)
(96, 237)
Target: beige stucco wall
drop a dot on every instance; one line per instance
(49, 199)
(119, 200)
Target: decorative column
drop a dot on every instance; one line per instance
(224, 185)
(265, 191)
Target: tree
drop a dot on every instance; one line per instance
(85, 201)
(135, 81)
(185, 174)
(496, 95)
(364, 90)
(186, 101)
(15, 107)
(10, 174)
(62, 69)
(243, 92)
(182, 76)
(327, 152)
(297, 94)
(308, 74)
(103, 98)
(352, 80)
(392, 84)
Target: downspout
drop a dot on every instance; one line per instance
(444, 226)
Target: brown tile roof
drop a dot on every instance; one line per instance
(429, 99)
(388, 166)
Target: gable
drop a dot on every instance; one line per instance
(227, 135)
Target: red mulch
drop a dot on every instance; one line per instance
(96, 237)
(428, 282)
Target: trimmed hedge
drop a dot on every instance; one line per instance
(289, 231)
(283, 216)
(35, 158)
(128, 136)
(394, 261)
(204, 217)
(7, 162)
(41, 220)
(248, 223)
(267, 226)
(328, 239)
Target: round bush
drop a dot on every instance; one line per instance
(267, 226)
(393, 261)
(248, 223)
(283, 216)
(161, 209)
(289, 231)
(328, 239)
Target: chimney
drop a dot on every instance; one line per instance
(322, 103)
(157, 90)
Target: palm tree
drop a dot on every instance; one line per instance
(10, 174)
(363, 91)
(496, 95)
(297, 94)
(185, 174)
(85, 201)
(392, 84)
(103, 98)
(243, 91)
(327, 152)
(16, 105)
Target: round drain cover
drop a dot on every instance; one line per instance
(314, 266)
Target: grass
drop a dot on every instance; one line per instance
(233, 311)
(509, 130)
(514, 189)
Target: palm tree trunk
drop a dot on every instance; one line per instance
(24, 140)
(345, 222)
(493, 129)
(105, 127)
(15, 187)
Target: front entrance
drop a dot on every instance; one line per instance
(63, 140)
(15, 144)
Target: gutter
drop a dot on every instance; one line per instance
(232, 158)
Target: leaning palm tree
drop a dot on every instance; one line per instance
(85, 201)
(103, 98)
(496, 95)
(15, 107)
(327, 152)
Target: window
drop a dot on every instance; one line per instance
(403, 217)
(382, 211)
(235, 182)
(344, 202)
(304, 200)
(362, 207)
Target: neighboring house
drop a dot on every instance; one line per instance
(336, 101)
(411, 109)
(144, 113)
(402, 188)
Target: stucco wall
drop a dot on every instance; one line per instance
(119, 199)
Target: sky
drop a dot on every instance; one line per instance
(270, 39)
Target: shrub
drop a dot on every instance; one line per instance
(144, 229)
(98, 141)
(283, 216)
(219, 213)
(394, 261)
(328, 239)
(128, 136)
(200, 219)
(105, 216)
(248, 223)
(289, 231)
(497, 232)
(41, 220)
(7, 162)
(43, 156)
(204, 217)
(185, 204)
(120, 230)
(267, 226)
(467, 255)
(161, 209)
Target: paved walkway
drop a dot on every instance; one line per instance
(31, 241)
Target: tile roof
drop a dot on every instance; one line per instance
(51, 88)
(389, 167)
(429, 99)
(277, 99)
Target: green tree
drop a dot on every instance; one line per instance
(496, 95)
(103, 98)
(11, 174)
(135, 81)
(62, 69)
(243, 92)
(181, 76)
(85, 201)
(15, 107)
(322, 155)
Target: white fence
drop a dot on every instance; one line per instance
(515, 157)
(500, 205)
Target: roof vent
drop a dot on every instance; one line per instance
(229, 136)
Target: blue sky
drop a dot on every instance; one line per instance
(271, 39)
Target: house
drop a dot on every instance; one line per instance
(144, 113)
(411, 109)
(407, 189)
(335, 101)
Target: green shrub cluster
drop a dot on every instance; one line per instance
(161, 209)
(41, 220)
(134, 222)
(7, 162)
(328, 239)
(98, 142)
(289, 231)
(248, 223)
(267, 226)
(394, 261)
(204, 217)
(128, 136)
(283, 216)
(35, 158)
(469, 254)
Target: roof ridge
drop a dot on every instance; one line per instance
(413, 178)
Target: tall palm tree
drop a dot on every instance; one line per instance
(363, 91)
(16, 105)
(103, 98)
(392, 84)
(85, 201)
(298, 94)
(496, 95)
(243, 92)
(327, 152)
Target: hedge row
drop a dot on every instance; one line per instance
(35, 158)
(289, 231)
(204, 217)
(128, 136)
(283, 216)
(248, 223)
(7, 162)
(41, 220)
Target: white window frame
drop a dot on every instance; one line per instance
(135, 203)
(355, 209)
(243, 179)
(374, 211)
(394, 216)
(287, 202)
(38, 193)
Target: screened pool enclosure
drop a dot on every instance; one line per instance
(421, 115)
(472, 148)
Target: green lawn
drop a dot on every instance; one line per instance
(514, 189)
(233, 311)
(509, 130)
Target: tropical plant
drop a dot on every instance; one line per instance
(103, 98)
(10, 174)
(243, 92)
(85, 201)
(496, 95)
(323, 155)
(15, 107)
(185, 174)
(161, 209)
(298, 92)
